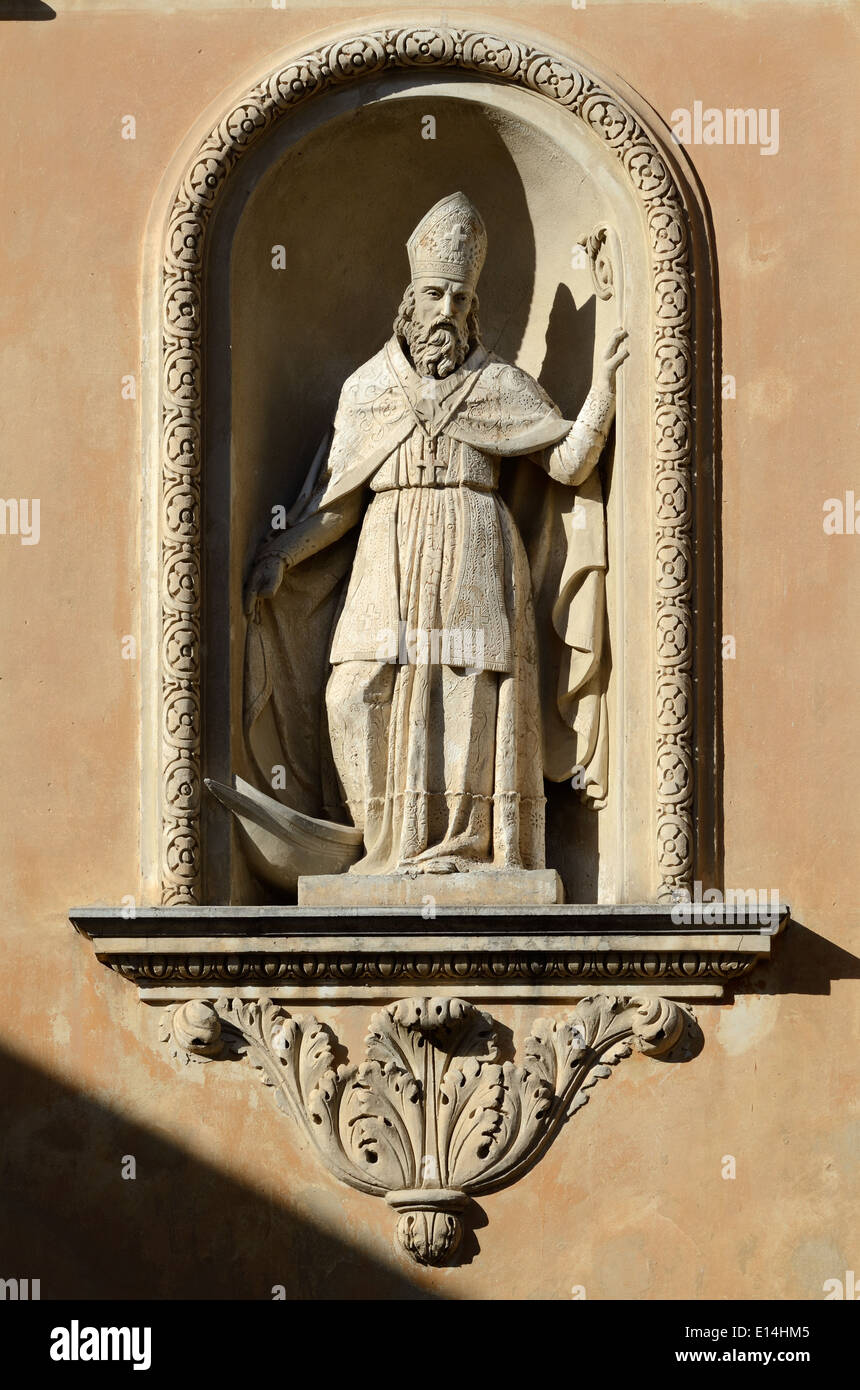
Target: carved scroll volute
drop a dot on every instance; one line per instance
(432, 1116)
(603, 252)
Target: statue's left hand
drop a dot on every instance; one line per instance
(615, 352)
(281, 552)
(264, 582)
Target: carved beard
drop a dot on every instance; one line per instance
(438, 349)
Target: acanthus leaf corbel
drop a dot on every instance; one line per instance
(433, 1115)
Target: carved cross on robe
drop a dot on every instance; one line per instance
(428, 462)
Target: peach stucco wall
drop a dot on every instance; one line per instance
(630, 1202)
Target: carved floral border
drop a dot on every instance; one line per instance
(348, 60)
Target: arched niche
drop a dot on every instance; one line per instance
(327, 157)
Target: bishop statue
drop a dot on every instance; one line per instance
(426, 638)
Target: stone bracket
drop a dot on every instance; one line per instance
(434, 1115)
(686, 951)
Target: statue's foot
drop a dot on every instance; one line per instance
(442, 865)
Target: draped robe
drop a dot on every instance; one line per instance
(458, 636)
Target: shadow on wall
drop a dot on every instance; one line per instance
(567, 365)
(26, 9)
(180, 1230)
(803, 963)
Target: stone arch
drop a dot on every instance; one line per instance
(683, 416)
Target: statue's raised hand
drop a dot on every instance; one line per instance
(615, 352)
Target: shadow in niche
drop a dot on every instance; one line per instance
(26, 9)
(802, 963)
(567, 364)
(181, 1230)
(572, 840)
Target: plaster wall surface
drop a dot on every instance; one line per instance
(630, 1202)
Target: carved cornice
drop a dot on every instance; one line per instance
(649, 172)
(434, 1115)
(300, 950)
(516, 967)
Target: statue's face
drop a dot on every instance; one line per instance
(434, 322)
(441, 303)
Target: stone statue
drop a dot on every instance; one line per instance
(420, 652)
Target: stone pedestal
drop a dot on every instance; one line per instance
(480, 888)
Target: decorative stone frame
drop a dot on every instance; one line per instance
(683, 394)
